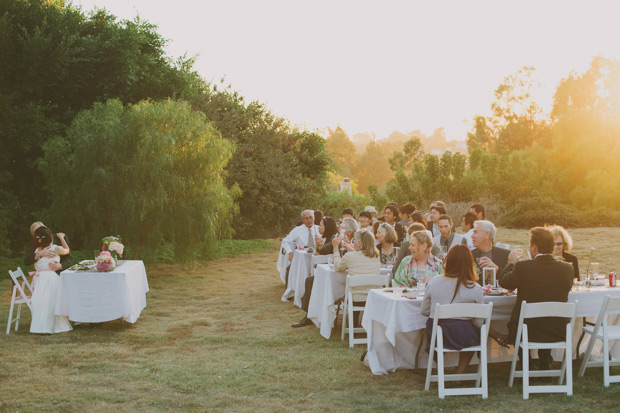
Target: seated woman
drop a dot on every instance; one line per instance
(386, 236)
(390, 215)
(365, 220)
(421, 259)
(418, 217)
(45, 285)
(362, 257)
(457, 285)
(563, 244)
(350, 227)
(327, 228)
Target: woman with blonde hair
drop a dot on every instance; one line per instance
(562, 245)
(421, 261)
(362, 257)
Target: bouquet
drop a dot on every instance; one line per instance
(105, 262)
(113, 245)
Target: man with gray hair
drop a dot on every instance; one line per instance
(486, 255)
(302, 235)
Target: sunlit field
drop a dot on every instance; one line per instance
(217, 338)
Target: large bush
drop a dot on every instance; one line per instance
(151, 172)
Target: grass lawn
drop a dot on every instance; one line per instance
(216, 337)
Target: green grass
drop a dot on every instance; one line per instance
(215, 337)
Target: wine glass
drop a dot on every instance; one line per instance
(421, 278)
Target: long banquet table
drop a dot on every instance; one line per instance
(299, 271)
(396, 329)
(93, 297)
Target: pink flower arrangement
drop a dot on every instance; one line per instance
(105, 262)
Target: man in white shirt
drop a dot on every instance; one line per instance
(446, 237)
(302, 235)
(467, 225)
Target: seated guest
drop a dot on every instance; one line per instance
(467, 226)
(404, 251)
(446, 237)
(386, 237)
(327, 228)
(457, 285)
(302, 235)
(540, 279)
(375, 227)
(420, 245)
(418, 217)
(433, 224)
(348, 213)
(405, 214)
(350, 227)
(562, 245)
(318, 217)
(365, 220)
(390, 215)
(486, 255)
(373, 211)
(479, 210)
(362, 257)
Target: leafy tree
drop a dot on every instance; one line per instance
(413, 151)
(343, 150)
(151, 172)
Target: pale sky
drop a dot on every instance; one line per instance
(380, 66)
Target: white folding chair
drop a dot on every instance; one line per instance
(22, 293)
(537, 310)
(316, 260)
(356, 289)
(460, 310)
(606, 333)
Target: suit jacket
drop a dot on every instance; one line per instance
(499, 256)
(571, 259)
(539, 280)
(65, 260)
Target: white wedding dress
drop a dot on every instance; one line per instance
(44, 299)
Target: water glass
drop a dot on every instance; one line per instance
(595, 266)
(421, 278)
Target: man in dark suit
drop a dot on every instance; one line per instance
(31, 257)
(485, 254)
(538, 280)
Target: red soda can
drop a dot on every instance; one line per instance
(612, 279)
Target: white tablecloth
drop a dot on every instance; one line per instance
(283, 262)
(300, 270)
(93, 297)
(395, 327)
(327, 288)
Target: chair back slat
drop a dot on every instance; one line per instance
(548, 309)
(613, 304)
(463, 310)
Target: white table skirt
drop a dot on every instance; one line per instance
(327, 288)
(395, 328)
(300, 270)
(93, 297)
(282, 264)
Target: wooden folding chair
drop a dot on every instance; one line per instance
(22, 293)
(606, 333)
(537, 310)
(459, 310)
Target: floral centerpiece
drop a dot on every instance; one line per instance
(114, 246)
(105, 262)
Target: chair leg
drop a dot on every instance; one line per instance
(568, 359)
(525, 361)
(586, 356)
(344, 319)
(19, 314)
(351, 327)
(440, 364)
(483, 368)
(605, 359)
(513, 366)
(8, 326)
(429, 367)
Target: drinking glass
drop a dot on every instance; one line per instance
(595, 266)
(421, 278)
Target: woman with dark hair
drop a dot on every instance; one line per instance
(365, 220)
(418, 217)
(318, 216)
(386, 237)
(457, 285)
(327, 228)
(45, 284)
(390, 215)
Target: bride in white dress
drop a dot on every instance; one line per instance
(45, 286)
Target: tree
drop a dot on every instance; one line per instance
(343, 151)
(151, 172)
(413, 151)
